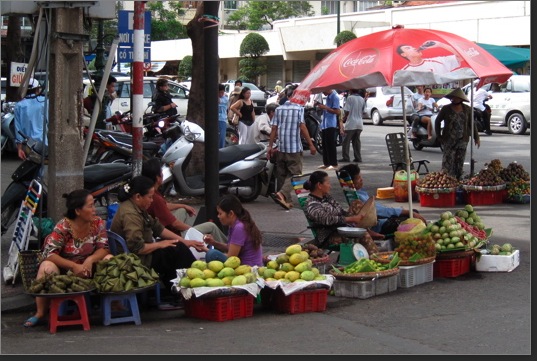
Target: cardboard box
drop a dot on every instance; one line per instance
(497, 263)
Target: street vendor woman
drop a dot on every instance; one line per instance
(326, 215)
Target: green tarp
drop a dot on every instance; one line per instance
(510, 56)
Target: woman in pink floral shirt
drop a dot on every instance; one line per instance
(76, 244)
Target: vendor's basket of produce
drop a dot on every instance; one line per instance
(498, 258)
(437, 189)
(366, 269)
(485, 188)
(221, 308)
(386, 257)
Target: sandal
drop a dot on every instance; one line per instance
(278, 198)
(33, 321)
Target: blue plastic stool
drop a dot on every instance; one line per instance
(108, 315)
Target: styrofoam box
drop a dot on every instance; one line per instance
(365, 289)
(497, 263)
(415, 275)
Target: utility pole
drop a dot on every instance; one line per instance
(65, 164)
(99, 49)
(338, 16)
(138, 87)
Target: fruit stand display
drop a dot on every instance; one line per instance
(498, 258)
(218, 291)
(437, 189)
(292, 283)
(485, 188)
(366, 278)
(416, 249)
(517, 182)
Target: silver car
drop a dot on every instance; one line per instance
(384, 103)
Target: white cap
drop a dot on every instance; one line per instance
(32, 83)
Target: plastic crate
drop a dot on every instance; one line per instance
(437, 199)
(224, 308)
(484, 198)
(365, 289)
(410, 276)
(451, 267)
(297, 302)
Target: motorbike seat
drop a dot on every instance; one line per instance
(234, 153)
(127, 139)
(96, 174)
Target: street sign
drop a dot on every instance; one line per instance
(17, 73)
(126, 55)
(125, 28)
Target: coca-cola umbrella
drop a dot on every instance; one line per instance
(402, 57)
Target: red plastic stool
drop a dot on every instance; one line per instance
(80, 317)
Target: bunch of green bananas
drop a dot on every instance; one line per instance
(123, 272)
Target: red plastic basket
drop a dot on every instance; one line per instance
(220, 308)
(437, 199)
(298, 302)
(483, 198)
(451, 267)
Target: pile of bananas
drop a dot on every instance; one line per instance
(122, 273)
(55, 283)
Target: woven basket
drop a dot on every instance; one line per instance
(382, 257)
(363, 275)
(29, 261)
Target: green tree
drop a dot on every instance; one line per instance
(255, 14)
(185, 67)
(343, 37)
(164, 21)
(253, 47)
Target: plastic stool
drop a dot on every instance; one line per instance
(80, 317)
(106, 305)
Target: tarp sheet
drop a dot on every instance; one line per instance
(509, 56)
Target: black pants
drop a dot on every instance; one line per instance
(329, 137)
(165, 261)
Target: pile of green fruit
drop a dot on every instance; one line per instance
(456, 232)
(55, 283)
(292, 266)
(368, 265)
(217, 274)
(124, 272)
(505, 249)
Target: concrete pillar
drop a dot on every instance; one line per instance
(65, 139)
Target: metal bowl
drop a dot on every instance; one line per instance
(352, 231)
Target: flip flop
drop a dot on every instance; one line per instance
(278, 199)
(33, 321)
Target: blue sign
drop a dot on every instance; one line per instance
(125, 28)
(126, 55)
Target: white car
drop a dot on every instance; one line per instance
(384, 103)
(123, 89)
(510, 104)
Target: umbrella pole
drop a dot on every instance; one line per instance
(407, 155)
(472, 123)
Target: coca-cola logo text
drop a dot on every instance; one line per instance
(359, 62)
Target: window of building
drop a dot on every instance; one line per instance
(230, 5)
(364, 5)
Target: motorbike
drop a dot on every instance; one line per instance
(240, 166)
(99, 179)
(312, 118)
(8, 128)
(421, 140)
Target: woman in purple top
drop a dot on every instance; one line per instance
(244, 238)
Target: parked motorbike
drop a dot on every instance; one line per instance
(99, 179)
(8, 128)
(240, 166)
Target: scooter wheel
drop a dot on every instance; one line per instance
(417, 145)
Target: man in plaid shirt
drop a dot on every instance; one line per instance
(287, 126)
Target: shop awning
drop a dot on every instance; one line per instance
(510, 56)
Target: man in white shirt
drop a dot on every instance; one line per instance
(480, 95)
(262, 127)
(438, 64)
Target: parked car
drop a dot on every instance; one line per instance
(259, 97)
(510, 103)
(384, 103)
(123, 89)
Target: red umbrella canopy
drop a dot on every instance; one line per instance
(398, 57)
